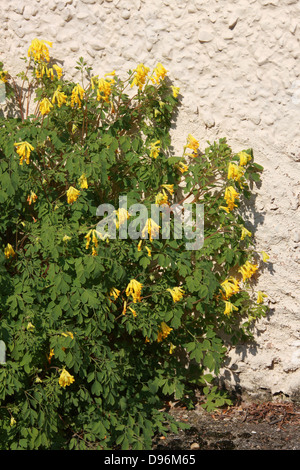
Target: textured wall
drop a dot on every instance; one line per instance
(237, 65)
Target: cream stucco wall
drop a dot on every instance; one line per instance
(237, 65)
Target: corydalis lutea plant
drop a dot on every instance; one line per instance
(98, 332)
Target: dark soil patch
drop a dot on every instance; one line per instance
(246, 426)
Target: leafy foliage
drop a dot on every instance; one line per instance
(88, 365)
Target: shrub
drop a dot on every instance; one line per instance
(100, 331)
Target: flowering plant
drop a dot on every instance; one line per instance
(100, 332)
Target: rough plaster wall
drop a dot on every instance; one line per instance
(237, 65)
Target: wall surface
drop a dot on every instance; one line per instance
(237, 65)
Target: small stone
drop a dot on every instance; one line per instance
(125, 14)
(205, 36)
(296, 236)
(232, 22)
(29, 12)
(195, 446)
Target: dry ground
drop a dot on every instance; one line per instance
(245, 426)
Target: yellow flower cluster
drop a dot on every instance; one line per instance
(182, 167)
(65, 379)
(83, 182)
(9, 251)
(122, 215)
(230, 196)
(141, 73)
(3, 76)
(245, 233)
(92, 236)
(45, 106)
(163, 332)
(39, 51)
(43, 70)
(244, 158)
(158, 74)
(177, 293)
(104, 89)
(72, 195)
(114, 293)
(151, 228)
(229, 307)
(193, 145)
(59, 97)
(77, 96)
(23, 150)
(231, 286)
(134, 289)
(247, 270)
(235, 172)
(155, 149)
(31, 199)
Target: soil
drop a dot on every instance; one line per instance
(243, 426)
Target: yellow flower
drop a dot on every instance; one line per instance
(245, 233)
(3, 76)
(159, 73)
(30, 326)
(182, 167)
(154, 149)
(175, 91)
(244, 158)
(58, 71)
(31, 199)
(231, 286)
(51, 354)
(113, 73)
(141, 73)
(114, 293)
(133, 311)
(38, 50)
(68, 333)
(122, 216)
(192, 144)
(65, 379)
(140, 245)
(45, 106)
(59, 97)
(72, 195)
(83, 182)
(12, 421)
(235, 172)
(134, 289)
(151, 228)
(177, 293)
(229, 307)
(230, 196)
(148, 251)
(169, 188)
(265, 256)
(260, 297)
(9, 251)
(23, 150)
(92, 235)
(124, 308)
(161, 198)
(164, 331)
(247, 270)
(104, 89)
(77, 96)
(172, 348)
(66, 238)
